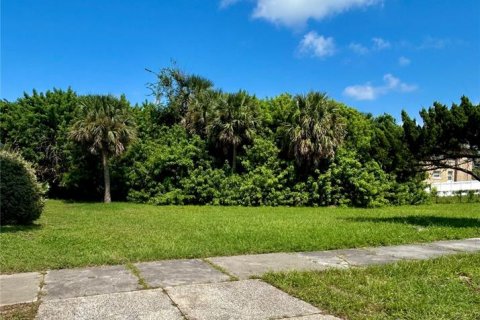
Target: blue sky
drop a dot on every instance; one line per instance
(378, 56)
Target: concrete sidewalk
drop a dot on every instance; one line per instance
(213, 288)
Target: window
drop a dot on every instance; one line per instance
(450, 175)
(436, 174)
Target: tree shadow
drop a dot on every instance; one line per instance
(425, 221)
(10, 228)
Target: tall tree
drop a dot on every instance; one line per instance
(176, 91)
(200, 112)
(234, 123)
(448, 137)
(106, 128)
(389, 149)
(36, 125)
(314, 130)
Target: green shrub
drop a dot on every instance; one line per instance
(349, 182)
(154, 168)
(472, 196)
(409, 192)
(468, 197)
(203, 186)
(21, 194)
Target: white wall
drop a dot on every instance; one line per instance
(449, 188)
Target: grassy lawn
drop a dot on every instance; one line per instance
(81, 234)
(24, 311)
(444, 288)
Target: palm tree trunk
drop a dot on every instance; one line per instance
(106, 177)
(234, 158)
(205, 124)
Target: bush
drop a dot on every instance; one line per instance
(203, 186)
(21, 194)
(153, 169)
(348, 182)
(409, 192)
(462, 196)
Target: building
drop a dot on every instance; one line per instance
(448, 181)
(440, 175)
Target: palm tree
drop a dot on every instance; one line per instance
(189, 87)
(234, 122)
(315, 129)
(177, 89)
(105, 128)
(200, 112)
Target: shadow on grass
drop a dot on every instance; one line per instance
(20, 228)
(79, 201)
(425, 221)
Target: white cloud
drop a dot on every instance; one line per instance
(404, 61)
(358, 48)
(434, 43)
(377, 45)
(361, 92)
(227, 3)
(393, 83)
(295, 13)
(380, 44)
(369, 92)
(317, 45)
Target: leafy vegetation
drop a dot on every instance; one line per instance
(314, 131)
(198, 145)
(79, 234)
(448, 137)
(37, 126)
(23, 311)
(444, 288)
(21, 195)
(461, 196)
(105, 128)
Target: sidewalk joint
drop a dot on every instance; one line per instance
(222, 270)
(134, 270)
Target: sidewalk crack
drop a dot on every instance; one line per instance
(175, 304)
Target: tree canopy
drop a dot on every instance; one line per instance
(314, 130)
(198, 145)
(105, 128)
(447, 138)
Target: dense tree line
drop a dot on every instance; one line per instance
(199, 145)
(448, 137)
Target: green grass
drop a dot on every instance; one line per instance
(444, 288)
(24, 311)
(81, 234)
